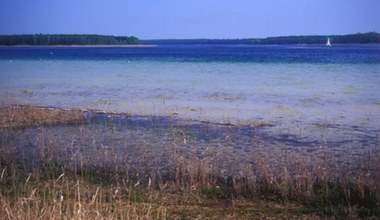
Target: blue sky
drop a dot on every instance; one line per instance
(160, 19)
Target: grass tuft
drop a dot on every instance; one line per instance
(27, 116)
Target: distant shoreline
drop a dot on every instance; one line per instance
(163, 44)
(360, 38)
(86, 45)
(88, 40)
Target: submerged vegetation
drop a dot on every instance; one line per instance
(92, 177)
(66, 39)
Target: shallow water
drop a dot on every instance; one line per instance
(154, 147)
(308, 91)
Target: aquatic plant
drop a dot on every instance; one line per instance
(96, 174)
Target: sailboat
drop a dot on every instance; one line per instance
(328, 44)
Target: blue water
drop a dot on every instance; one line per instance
(363, 54)
(292, 87)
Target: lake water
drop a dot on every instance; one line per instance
(301, 90)
(286, 106)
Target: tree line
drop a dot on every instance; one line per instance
(360, 38)
(364, 38)
(66, 39)
(90, 39)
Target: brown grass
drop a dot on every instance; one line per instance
(27, 116)
(44, 195)
(191, 188)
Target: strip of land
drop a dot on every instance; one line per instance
(360, 38)
(28, 116)
(66, 39)
(107, 40)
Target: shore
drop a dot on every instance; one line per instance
(167, 167)
(87, 45)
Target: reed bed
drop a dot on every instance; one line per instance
(176, 177)
(26, 116)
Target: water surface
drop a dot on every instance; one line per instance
(302, 90)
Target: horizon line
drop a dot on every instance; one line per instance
(202, 38)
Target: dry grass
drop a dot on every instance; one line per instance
(47, 195)
(26, 116)
(192, 188)
(194, 194)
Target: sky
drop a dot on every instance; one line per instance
(194, 19)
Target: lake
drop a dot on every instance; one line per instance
(236, 99)
(283, 85)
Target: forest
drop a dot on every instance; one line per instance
(360, 38)
(365, 38)
(66, 39)
(91, 39)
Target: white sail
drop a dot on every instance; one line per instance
(328, 44)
